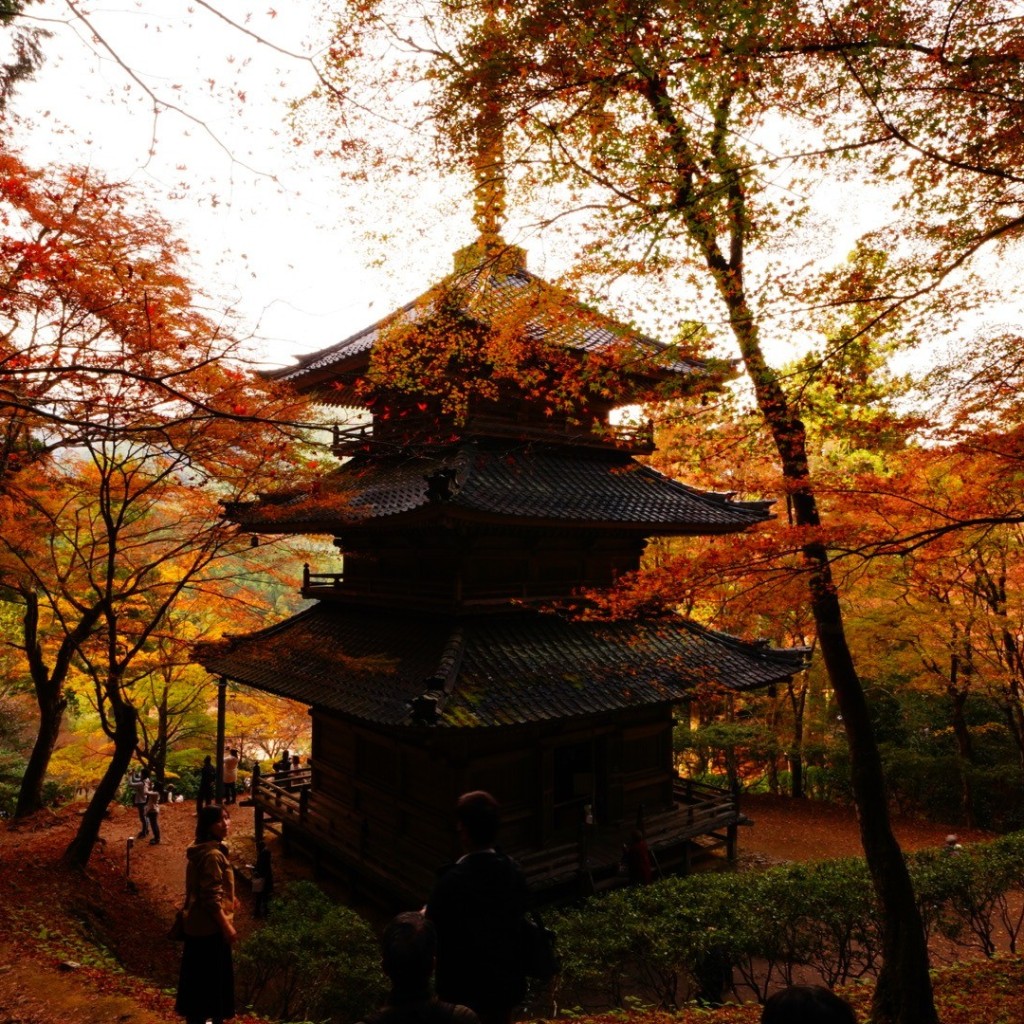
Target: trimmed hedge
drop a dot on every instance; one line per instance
(704, 936)
(312, 960)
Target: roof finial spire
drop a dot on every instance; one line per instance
(489, 161)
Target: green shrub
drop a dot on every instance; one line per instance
(966, 897)
(701, 936)
(313, 959)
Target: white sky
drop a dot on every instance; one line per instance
(273, 230)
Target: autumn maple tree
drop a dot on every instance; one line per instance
(128, 418)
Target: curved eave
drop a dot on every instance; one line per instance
(535, 487)
(451, 514)
(399, 670)
(488, 290)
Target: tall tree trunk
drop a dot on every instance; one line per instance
(903, 994)
(158, 752)
(125, 737)
(773, 755)
(719, 232)
(961, 734)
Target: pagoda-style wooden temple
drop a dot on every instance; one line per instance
(440, 656)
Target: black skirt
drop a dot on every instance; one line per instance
(206, 987)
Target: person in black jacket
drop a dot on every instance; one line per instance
(807, 1004)
(262, 880)
(478, 906)
(408, 954)
(207, 780)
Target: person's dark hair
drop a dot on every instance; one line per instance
(144, 774)
(207, 818)
(408, 947)
(208, 759)
(234, 752)
(477, 813)
(807, 1004)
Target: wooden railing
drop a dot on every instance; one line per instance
(635, 438)
(436, 593)
(287, 797)
(346, 439)
(702, 818)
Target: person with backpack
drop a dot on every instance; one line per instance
(478, 907)
(139, 786)
(229, 769)
(153, 812)
(207, 781)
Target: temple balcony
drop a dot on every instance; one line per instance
(630, 438)
(440, 594)
(703, 820)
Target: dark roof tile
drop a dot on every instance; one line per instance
(544, 485)
(509, 669)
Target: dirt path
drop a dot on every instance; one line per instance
(799, 830)
(130, 901)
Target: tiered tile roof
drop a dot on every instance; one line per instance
(545, 485)
(521, 667)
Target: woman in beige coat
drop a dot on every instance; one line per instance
(206, 989)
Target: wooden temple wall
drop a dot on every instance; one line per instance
(389, 797)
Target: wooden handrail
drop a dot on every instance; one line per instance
(637, 437)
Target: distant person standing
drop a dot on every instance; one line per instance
(283, 766)
(139, 786)
(477, 907)
(153, 813)
(636, 856)
(207, 780)
(262, 880)
(230, 775)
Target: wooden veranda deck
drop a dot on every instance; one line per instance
(702, 820)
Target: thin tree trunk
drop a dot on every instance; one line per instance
(961, 734)
(798, 701)
(125, 737)
(49, 690)
(51, 714)
(903, 994)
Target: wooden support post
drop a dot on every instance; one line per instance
(222, 687)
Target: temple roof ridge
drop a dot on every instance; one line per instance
(490, 278)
